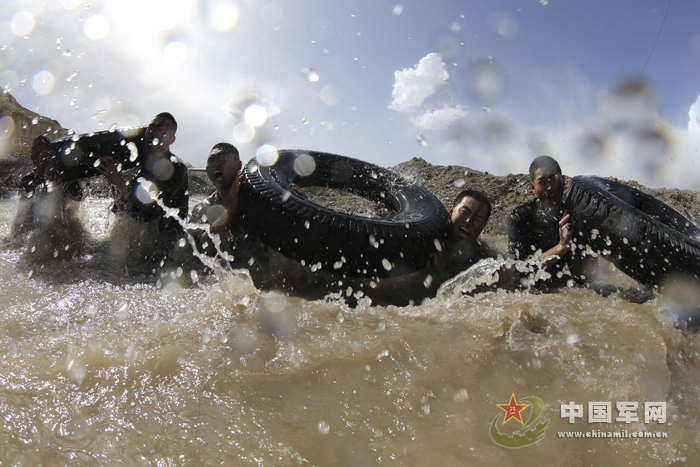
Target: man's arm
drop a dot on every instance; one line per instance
(230, 202)
(557, 252)
(109, 169)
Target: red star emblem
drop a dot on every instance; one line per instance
(513, 409)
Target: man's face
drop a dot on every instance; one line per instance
(547, 186)
(468, 219)
(222, 169)
(160, 134)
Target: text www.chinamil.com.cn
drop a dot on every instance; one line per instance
(622, 434)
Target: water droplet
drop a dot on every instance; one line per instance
(307, 225)
(506, 26)
(133, 152)
(460, 182)
(323, 427)
(146, 191)
(43, 82)
(486, 79)
(386, 264)
(22, 23)
(304, 165)
(96, 27)
(286, 195)
(304, 121)
(163, 169)
(255, 115)
(223, 16)
(461, 395)
(438, 245)
(428, 281)
(329, 96)
(7, 126)
(176, 52)
(311, 74)
(572, 339)
(243, 133)
(267, 155)
(455, 28)
(421, 140)
(182, 242)
(397, 10)
(194, 276)
(123, 312)
(76, 371)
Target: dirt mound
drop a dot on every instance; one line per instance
(445, 182)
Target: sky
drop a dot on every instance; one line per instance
(607, 88)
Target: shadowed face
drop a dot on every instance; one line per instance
(222, 169)
(468, 219)
(547, 185)
(160, 134)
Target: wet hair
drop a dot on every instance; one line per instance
(166, 116)
(224, 148)
(546, 164)
(477, 195)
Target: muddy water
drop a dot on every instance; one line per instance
(97, 369)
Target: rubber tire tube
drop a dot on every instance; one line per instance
(74, 157)
(644, 237)
(345, 244)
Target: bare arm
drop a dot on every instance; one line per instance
(554, 254)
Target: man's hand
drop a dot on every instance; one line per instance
(110, 170)
(230, 196)
(565, 232)
(554, 254)
(297, 189)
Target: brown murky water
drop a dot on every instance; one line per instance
(96, 369)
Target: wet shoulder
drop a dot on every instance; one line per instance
(524, 211)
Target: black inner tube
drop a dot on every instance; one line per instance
(347, 244)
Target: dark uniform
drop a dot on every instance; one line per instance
(169, 175)
(234, 241)
(531, 228)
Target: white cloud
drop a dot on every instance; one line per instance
(439, 119)
(413, 85)
(694, 117)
